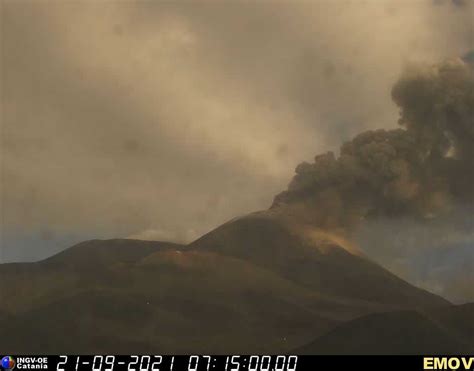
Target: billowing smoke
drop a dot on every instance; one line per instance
(421, 170)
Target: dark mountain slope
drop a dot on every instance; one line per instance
(84, 265)
(254, 285)
(172, 301)
(449, 330)
(315, 259)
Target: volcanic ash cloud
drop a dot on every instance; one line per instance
(422, 170)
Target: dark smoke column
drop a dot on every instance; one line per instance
(422, 170)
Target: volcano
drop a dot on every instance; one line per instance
(257, 284)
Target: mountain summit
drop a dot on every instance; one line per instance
(257, 284)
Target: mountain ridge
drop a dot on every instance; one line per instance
(252, 285)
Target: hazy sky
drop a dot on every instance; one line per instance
(163, 119)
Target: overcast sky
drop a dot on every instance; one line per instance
(162, 120)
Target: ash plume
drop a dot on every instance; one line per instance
(422, 169)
